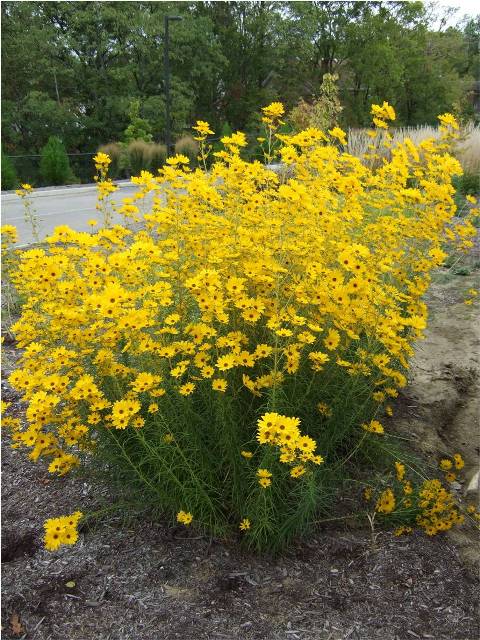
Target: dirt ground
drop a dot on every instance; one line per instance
(441, 405)
(147, 582)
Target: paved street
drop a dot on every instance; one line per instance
(73, 206)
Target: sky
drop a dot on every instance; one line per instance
(465, 7)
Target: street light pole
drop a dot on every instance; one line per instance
(166, 70)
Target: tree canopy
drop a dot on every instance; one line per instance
(74, 69)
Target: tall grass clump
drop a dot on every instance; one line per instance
(157, 157)
(131, 158)
(467, 150)
(137, 157)
(114, 151)
(232, 357)
(187, 146)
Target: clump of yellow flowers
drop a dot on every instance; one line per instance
(61, 531)
(228, 300)
(429, 506)
(295, 449)
(184, 518)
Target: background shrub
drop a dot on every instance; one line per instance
(225, 130)
(468, 184)
(323, 112)
(158, 155)
(54, 164)
(187, 146)
(136, 157)
(139, 128)
(114, 151)
(9, 175)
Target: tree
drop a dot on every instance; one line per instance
(54, 163)
(433, 78)
(228, 59)
(248, 34)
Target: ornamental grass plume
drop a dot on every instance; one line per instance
(187, 146)
(222, 359)
(466, 148)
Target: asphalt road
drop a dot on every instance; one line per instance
(72, 206)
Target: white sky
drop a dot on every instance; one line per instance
(471, 8)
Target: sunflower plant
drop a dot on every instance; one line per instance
(228, 348)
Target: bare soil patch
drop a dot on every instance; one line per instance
(440, 408)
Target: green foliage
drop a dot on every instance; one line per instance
(153, 110)
(96, 63)
(248, 34)
(467, 184)
(54, 163)
(210, 432)
(9, 175)
(382, 51)
(139, 128)
(224, 131)
(462, 271)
